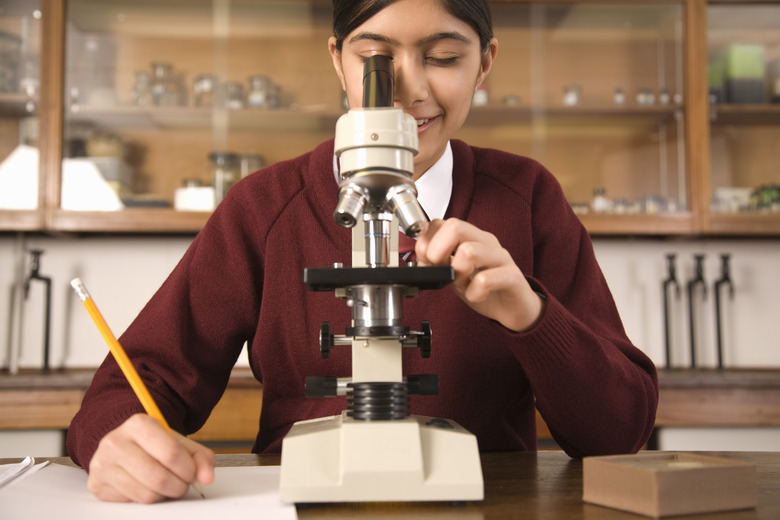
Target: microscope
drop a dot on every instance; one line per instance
(376, 451)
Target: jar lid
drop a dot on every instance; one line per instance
(223, 158)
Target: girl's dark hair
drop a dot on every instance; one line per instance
(348, 15)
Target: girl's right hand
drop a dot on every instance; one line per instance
(139, 461)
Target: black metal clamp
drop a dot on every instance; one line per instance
(725, 279)
(671, 280)
(698, 279)
(35, 274)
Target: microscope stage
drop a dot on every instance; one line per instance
(332, 278)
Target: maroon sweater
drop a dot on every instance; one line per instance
(241, 280)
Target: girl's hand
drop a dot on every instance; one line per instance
(140, 461)
(486, 277)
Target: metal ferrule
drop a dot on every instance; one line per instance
(352, 200)
(378, 239)
(377, 305)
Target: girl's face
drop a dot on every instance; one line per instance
(438, 66)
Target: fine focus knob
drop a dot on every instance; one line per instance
(326, 340)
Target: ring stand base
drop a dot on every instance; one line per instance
(339, 459)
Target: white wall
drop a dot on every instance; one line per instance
(635, 269)
(120, 273)
(123, 272)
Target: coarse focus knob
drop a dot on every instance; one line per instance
(422, 384)
(318, 386)
(424, 340)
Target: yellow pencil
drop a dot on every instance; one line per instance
(124, 362)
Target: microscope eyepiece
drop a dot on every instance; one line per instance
(376, 145)
(378, 82)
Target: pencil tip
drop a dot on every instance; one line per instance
(198, 489)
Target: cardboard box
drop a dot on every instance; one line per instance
(661, 484)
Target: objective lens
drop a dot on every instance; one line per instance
(352, 198)
(411, 216)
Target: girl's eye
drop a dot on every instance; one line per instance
(442, 61)
(364, 59)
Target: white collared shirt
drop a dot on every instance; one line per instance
(434, 188)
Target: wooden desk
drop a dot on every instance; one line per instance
(527, 485)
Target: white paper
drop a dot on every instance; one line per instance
(61, 492)
(19, 179)
(83, 186)
(8, 472)
(85, 189)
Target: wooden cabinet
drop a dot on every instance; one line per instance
(743, 53)
(610, 96)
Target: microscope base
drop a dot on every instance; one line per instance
(339, 459)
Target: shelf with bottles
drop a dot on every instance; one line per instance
(631, 160)
(119, 117)
(487, 115)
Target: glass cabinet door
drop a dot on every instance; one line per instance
(743, 42)
(595, 92)
(170, 102)
(20, 51)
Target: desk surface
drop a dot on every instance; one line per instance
(528, 486)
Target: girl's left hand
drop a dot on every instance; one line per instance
(486, 276)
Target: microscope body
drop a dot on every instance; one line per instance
(376, 450)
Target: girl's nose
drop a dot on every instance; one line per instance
(411, 83)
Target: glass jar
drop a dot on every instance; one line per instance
(773, 72)
(600, 202)
(250, 163)
(259, 91)
(224, 173)
(572, 94)
(481, 96)
(275, 96)
(205, 87)
(9, 62)
(142, 89)
(166, 90)
(234, 95)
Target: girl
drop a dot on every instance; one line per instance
(529, 321)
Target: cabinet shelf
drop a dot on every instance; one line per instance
(753, 114)
(179, 117)
(322, 117)
(680, 223)
(130, 221)
(499, 114)
(172, 221)
(14, 105)
(137, 220)
(744, 224)
(21, 220)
